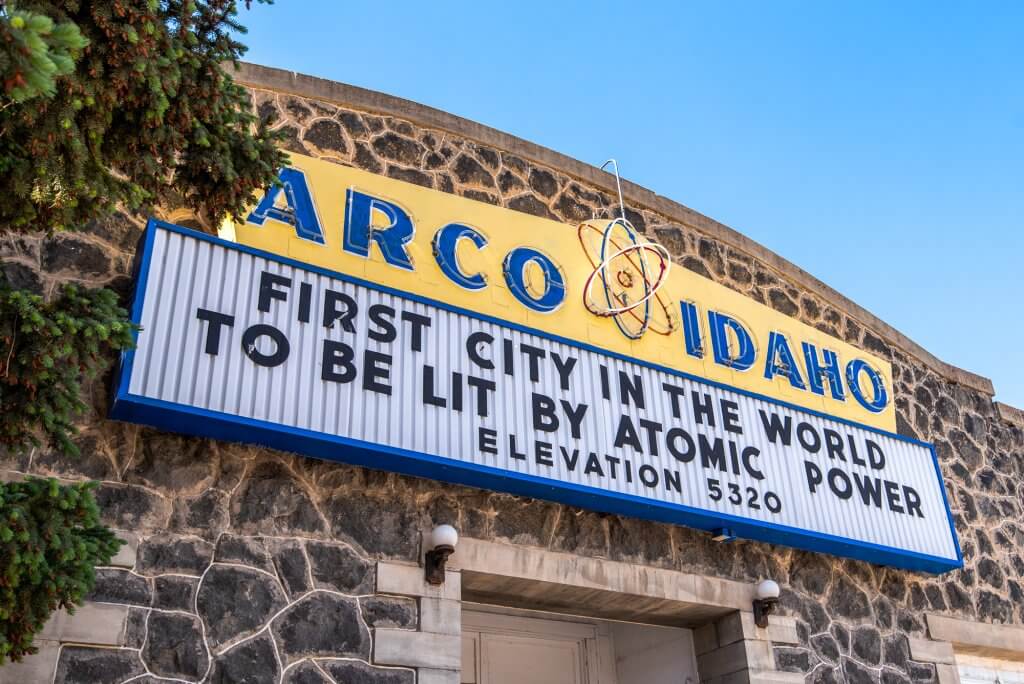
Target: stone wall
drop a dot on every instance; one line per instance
(247, 558)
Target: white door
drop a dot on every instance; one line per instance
(512, 649)
(505, 646)
(979, 670)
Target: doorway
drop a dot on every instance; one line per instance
(509, 646)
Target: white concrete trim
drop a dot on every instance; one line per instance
(775, 677)
(440, 616)
(978, 638)
(431, 676)
(529, 563)
(95, 624)
(947, 674)
(39, 667)
(416, 649)
(408, 580)
(929, 651)
(125, 557)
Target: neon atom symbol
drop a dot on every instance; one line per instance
(627, 275)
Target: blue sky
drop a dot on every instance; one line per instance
(878, 145)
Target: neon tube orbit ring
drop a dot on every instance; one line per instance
(626, 278)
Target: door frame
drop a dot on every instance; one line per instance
(594, 636)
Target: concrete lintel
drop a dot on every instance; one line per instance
(978, 638)
(638, 586)
(929, 651)
(408, 580)
(416, 649)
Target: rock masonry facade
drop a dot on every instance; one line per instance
(255, 565)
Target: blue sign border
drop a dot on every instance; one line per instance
(190, 420)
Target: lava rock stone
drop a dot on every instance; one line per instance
(780, 301)
(365, 159)
(523, 521)
(867, 645)
(174, 463)
(272, 501)
(165, 553)
(339, 568)
(398, 149)
(135, 627)
(322, 625)
(306, 673)
(481, 196)
(857, 673)
(20, 277)
(327, 136)
(377, 525)
(121, 586)
(811, 573)
(409, 176)
(234, 601)
(243, 550)
(173, 592)
(847, 600)
(792, 659)
(361, 673)
(72, 253)
(582, 532)
(81, 665)
(507, 181)
(692, 263)
(631, 539)
(896, 651)
(352, 123)
(712, 256)
(543, 182)
(529, 204)
(290, 563)
(826, 647)
(131, 508)
(174, 646)
(571, 210)
(252, 662)
(389, 611)
(119, 229)
(469, 171)
(206, 514)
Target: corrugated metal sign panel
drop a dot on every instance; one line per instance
(400, 383)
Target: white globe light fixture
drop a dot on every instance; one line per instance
(766, 597)
(440, 544)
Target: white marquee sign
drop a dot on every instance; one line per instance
(248, 346)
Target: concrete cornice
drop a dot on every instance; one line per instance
(1010, 414)
(293, 83)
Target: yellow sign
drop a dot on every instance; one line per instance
(598, 284)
